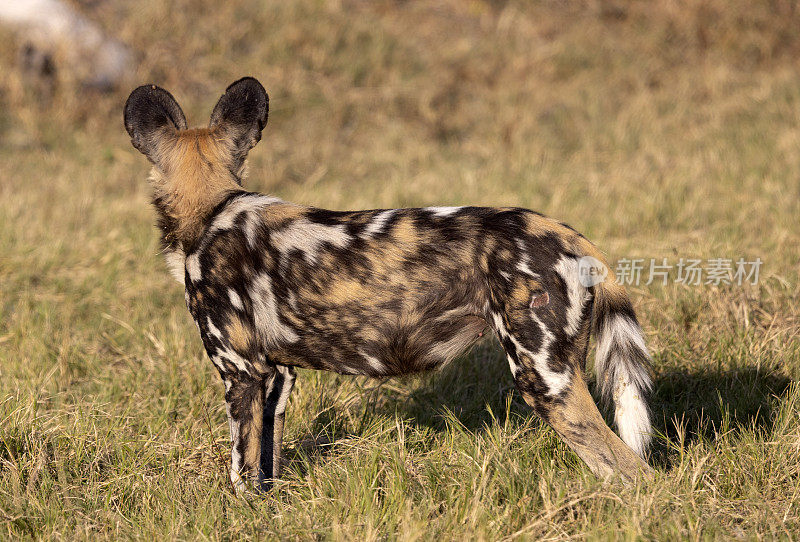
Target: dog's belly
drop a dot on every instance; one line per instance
(384, 347)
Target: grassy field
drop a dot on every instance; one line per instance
(658, 129)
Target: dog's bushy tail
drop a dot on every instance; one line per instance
(622, 363)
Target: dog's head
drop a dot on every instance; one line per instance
(158, 129)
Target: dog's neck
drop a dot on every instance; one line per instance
(190, 184)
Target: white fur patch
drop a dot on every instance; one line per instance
(443, 211)
(632, 417)
(373, 362)
(523, 267)
(577, 295)
(498, 325)
(288, 384)
(217, 361)
(308, 237)
(226, 218)
(214, 330)
(236, 301)
(265, 314)
(238, 361)
(460, 341)
(377, 224)
(617, 330)
(448, 350)
(512, 366)
(251, 229)
(555, 381)
(176, 262)
(236, 457)
(193, 267)
(228, 354)
(523, 264)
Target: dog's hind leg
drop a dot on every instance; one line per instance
(548, 372)
(276, 393)
(576, 419)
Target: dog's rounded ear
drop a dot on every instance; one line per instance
(148, 111)
(242, 112)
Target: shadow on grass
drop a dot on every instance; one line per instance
(686, 405)
(466, 388)
(474, 388)
(325, 435)
(692, 405)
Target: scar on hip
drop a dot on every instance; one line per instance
(540, 299)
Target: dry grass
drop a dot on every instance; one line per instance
(667, 129)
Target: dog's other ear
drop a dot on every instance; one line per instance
(150, 112)
(242, 114)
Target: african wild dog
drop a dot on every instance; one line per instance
(273, 286)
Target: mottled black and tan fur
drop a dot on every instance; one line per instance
(275, 286)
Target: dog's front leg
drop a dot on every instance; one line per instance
(276, 393)
(256, 413)
(244, 396)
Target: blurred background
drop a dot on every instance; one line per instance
(659, 129)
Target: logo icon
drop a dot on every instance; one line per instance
(591, 271)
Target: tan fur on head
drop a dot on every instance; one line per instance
(192, 178)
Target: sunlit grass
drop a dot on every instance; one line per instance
(658, 131)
